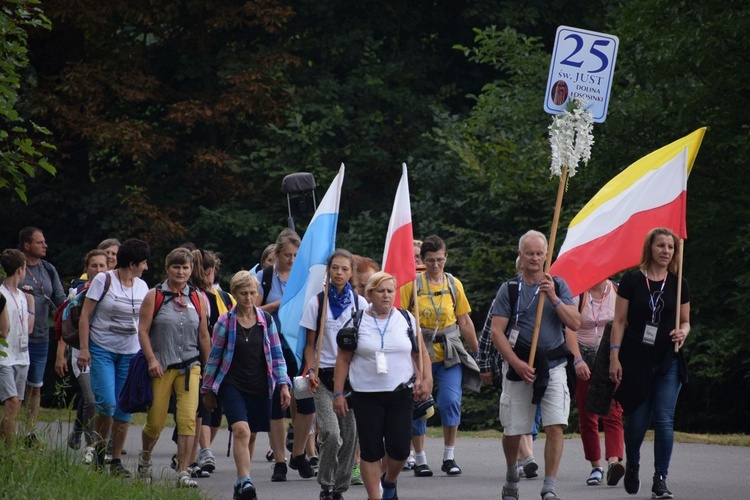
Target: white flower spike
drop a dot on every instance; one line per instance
(571, 137)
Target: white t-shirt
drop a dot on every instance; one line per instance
(115, 323)
(363, 373)
(18, 335)
(309, 320)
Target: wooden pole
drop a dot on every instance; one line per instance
(415, 313)
(321, 332)
(679, 293)
(548, 262)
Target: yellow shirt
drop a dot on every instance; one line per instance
(436, 308)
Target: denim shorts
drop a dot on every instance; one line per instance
(38, 363)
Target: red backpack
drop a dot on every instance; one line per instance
(195, 298)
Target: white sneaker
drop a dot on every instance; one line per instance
(88, 455)
(410, 461)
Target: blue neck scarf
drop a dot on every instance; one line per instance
(339, 302)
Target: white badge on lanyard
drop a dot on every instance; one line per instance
(513, 336)
(649, 333)
(23, 342)
(381, 362)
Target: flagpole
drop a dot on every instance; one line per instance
(321, 332)
(679, 293)
(415, 313)
(548, 262)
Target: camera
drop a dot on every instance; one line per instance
(346, 338)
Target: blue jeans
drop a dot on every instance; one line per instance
(108, 373)
(659, 409)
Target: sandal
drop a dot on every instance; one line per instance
(549, 495)
(596, 477)
(509, 494)
(422, 470)
(185, 481)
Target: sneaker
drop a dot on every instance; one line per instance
(279, 472)
(117, 469)
(206, 460)
(31, 440)
(509, 494)
(88, 455)
(196, 472)
(615, 471)
(74, 440)
(245, 491)
(356, 479)
(315, 463)
(659, 489)
(185, 481)
(422, 470)
(529, 468)
(410, 461)
(326, 495)
(301, 465)
(174, 463)
(337, 496)
(389, 489)
(98, 459)
(596, 476)
(451, 468)
(632, 482)
(269, 455)
(144, 468)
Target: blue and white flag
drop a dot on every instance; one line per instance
(308, 272)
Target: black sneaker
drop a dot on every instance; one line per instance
(99, 459)
(289, 438)
(279, 472)
(659, 489)
(325, 495)
(615, 471)
(315, 463)
(301, 465)
(632, 482)
(74, 439)
(117, 469)
(245, 491)
(31, 440)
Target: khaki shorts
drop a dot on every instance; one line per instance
(13, 381)
(516, 411)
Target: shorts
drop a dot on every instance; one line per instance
(383, 420)
(38, 363)
(211, 418)
(516, 412)
(304, 406)
(12, 382)
(240, 407)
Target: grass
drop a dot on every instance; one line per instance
(56, 472)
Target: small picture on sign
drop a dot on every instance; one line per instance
(559, 92)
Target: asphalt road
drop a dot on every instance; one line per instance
(697, 472)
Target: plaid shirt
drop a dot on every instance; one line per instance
(222, 351)
(489, 359)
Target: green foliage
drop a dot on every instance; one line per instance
(23, 143)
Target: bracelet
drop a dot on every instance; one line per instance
(614, 346)
(475, 355)
(31, 313)
(559, 301)
(337, 394)
(577, 362)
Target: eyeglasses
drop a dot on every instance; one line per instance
(441, 260)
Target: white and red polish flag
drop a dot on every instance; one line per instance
(607, 235)
(398, 256)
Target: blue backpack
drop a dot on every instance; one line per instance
(137, 394)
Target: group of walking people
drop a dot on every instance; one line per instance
(368, 363)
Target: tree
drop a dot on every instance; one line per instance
(23, 143)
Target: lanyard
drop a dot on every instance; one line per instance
(18, 309)
(432, 301)
(599, 312)
(520, 313)
(382, 332)
(37, 283)
(651, 302)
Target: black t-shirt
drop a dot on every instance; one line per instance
(249, 369)
(633, 288)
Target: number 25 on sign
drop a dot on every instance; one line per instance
(583, 64)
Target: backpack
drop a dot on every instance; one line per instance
(68, 314)
(319, 320)
(356, 319)
(420, 288)
(162, 296)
